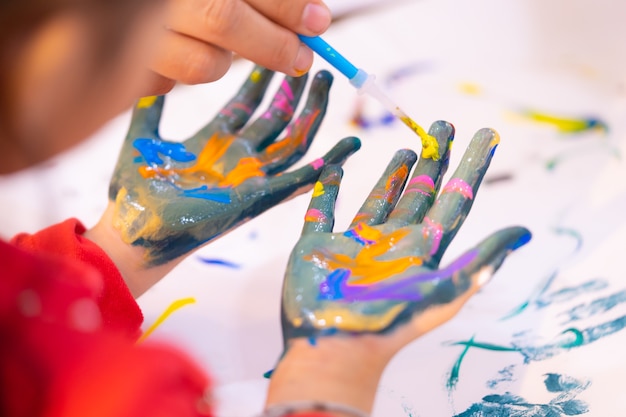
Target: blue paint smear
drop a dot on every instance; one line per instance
(509, 405)
(597, 306)
(219, 195)
(583, 337)
(539, 299)
(504, 375)
(219, 262)
(151, 148)
(569, 293)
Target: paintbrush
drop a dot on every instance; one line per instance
(365, 84)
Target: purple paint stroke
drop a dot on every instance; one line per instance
(336, 286)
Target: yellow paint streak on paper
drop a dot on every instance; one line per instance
(430, 147)
(145, 102)
(176, 305)
(563, 124)
(318, 189)
(471, 89)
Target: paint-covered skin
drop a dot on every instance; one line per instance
(171, 197)
(384, 270)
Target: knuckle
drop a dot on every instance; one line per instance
(204, 67)
(222, 17)
(282, 55)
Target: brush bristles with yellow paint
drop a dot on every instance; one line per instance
(365, 84)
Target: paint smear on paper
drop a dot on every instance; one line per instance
(563, 404)
(219, 262)
(176, 305)
(565, 124)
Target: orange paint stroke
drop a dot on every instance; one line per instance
(176, 305)
(364, 268)
(394, 184)
(296, 137)
(207, 170)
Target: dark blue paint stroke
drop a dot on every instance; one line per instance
(509, 405)
(151, 148)
(572, 233)
(569, 293)
(504, 375)
(597, 306)
(533, 297)
(582, 338)
(539, 299)
(219, 262)
(561, 383)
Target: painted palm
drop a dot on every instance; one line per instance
(385, 269)
(171, 197)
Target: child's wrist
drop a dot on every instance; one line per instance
(338, 369)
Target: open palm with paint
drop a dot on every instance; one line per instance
(384, 272)
(171, 197)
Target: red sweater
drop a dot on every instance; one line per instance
(68, 326)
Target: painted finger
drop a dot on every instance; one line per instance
(235, 25)
(475, 268)
(238, 110)
(437, 296)
(299, 135)
(291, 184)
(144, 128)
(447, 214)
(189, 60)
(266, 128)
(456, 283)
(320, 216)
(146, 117)
(385, 194)
(424, 184)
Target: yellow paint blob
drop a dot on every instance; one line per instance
(133, 220)
(176, 305)
(344, 319)
(430, 146)
(145, 102)
(470, 89)
(318, 189)
(255, 76)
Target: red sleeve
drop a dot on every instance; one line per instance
(119, 310)
(64, 345)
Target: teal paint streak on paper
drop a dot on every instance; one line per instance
(508, 405)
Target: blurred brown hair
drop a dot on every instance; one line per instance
(109, 19)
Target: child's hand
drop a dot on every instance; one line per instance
(171, 197)
(200, 37)
(383, 274)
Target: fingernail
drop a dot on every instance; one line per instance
(316, 17)
(304, 60)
